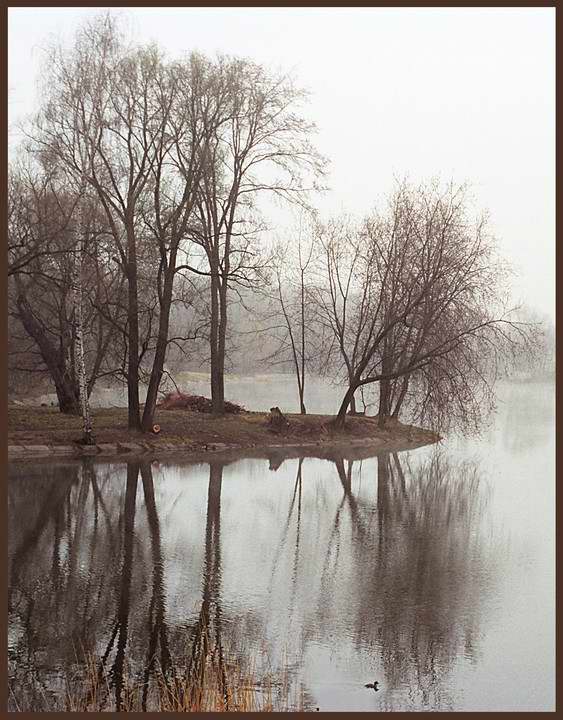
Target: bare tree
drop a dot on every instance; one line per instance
(263, 146)
(421, 291)
(102, 121)
(290, 321)
(344, 291)
(43, 237)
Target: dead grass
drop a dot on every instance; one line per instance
(225, 688)
(47, 426)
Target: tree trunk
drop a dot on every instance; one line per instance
(217, 337)
(65, 384)
(340, 418)
(161, 347)
(67, 397)
(401, 398)
(384, 388)
(384, 398)
(222, 341)
(350, 383)
(133, 404)
(213, 339)
(80, 367)
(302, 388)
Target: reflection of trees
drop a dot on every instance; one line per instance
(157, 608)
(414, 573)
(297, 493)
(207, 642)
(90, 586)
(399, 564)
(88, 576)
(156, 633)
(105, 578)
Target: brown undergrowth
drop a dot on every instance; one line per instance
(47, 426)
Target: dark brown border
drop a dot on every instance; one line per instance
(3, 299)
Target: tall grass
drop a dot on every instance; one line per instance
(219, 687)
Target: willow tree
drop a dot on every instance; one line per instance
(423, 293)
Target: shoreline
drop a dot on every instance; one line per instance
(41, 433)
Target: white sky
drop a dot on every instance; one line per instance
(467, 93)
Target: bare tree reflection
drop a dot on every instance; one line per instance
(157, 609)
(414, 583)
(116, 673)
(395, 566)
(207, 642)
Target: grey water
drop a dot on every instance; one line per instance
(431, 570)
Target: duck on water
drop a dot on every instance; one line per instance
(373, 685)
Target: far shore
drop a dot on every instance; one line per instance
(35, 432)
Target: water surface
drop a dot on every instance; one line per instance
(430, 570)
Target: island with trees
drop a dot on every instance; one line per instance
(138, 242)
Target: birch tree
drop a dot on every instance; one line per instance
(80, 367)
(42, 237)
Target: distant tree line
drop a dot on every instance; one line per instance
(135, 235)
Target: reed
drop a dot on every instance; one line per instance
(218, 686)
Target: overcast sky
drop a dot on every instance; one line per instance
(465, 93)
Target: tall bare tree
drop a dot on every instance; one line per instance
(103, 121)
(290, 319)
(263, 147)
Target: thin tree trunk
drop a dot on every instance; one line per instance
(350, 383)
(401, 398)
(218, 336)
(216, 379)
(80, 367)
(222, 340)
(302, 384)
(384, 409)
(384, 389)
(133, 404)
(161, 347)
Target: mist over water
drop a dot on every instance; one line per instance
(431, 571)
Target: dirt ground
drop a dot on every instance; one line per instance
(47, 426)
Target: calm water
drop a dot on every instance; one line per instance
(431, 571)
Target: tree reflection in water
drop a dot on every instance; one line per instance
(415, 611)
(89, 568)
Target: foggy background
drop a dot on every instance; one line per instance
(466, 93)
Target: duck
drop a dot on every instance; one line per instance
(373, 685)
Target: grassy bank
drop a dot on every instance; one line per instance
(198, 432)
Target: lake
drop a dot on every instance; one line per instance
(431, 571)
